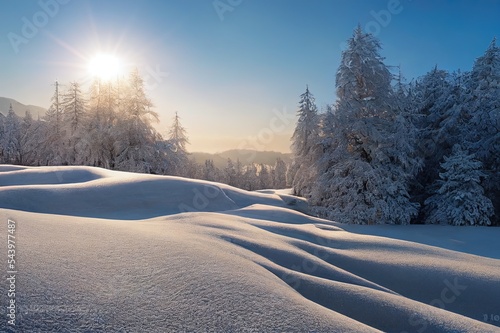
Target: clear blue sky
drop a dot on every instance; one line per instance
(225, 77)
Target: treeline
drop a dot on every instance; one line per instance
(249, 177)
(111, 126)
(390, 152)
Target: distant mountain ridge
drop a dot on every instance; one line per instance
(246, 156)
(20, 108)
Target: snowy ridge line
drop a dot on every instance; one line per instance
(30, 176)
(368, 306)
(94, 192)
(317, 267)
(310, 268)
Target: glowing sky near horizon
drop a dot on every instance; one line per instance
(235, 81)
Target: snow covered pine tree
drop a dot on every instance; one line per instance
(365, 170)
(304, 137)
(484, 107)
(459, 198)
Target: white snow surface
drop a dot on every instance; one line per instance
(107, 251)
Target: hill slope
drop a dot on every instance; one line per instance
(19, 108)
(102, 251)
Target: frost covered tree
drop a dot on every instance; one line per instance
(177, 141)
(454, 115)
(20, 139)
(210, 172)
(11, 138)
(99, 144)
(31, 136)
(53, 144)
(304, 138)
(483, 106)
(74, 111)
(135, 137)
(232, 173)
(2, 122)
(74, 108)
(178, 136)
(265, 180)
(459, 198)
(279, 174)
(365, 170)
(250, 180)
(439, 115)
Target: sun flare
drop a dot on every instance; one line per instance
(105, 67)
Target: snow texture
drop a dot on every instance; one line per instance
(108, 251)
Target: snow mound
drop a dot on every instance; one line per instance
(11, 175)
(93, 192)
(128, 259)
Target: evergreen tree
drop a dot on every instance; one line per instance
(2, 134)
(210, 171)
(11, 138)
(265, 180)
(279, 174)
(250, 179)
(459, 198)
(31, 136)
(135, 136)
(304, 138)
(53, 145)
(239, 173)
(439, 117)
(192, 169)
(483, 105)
(177, 142)
(367, 165)
(231, 176)
(100, 144)
(74, 110)
(178, 138)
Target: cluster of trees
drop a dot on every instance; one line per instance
(111, 126)
(390, 152)
(249, 177)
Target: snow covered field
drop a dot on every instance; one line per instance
(105, 251)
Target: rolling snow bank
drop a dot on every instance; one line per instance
(106, 251)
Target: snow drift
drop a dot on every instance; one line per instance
(105, 251)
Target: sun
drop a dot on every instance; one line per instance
(105, 67)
